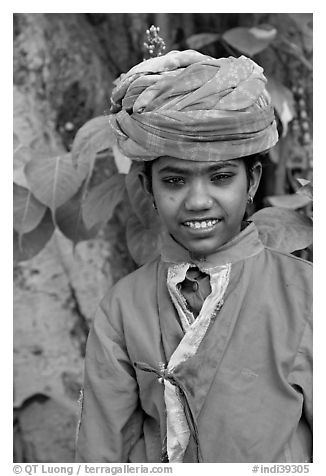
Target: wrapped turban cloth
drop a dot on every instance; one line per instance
(192, 106)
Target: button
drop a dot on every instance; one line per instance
(195, 286)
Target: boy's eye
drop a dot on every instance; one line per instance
(222, 177)
(174, 180)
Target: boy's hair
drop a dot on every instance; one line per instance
(250, 162)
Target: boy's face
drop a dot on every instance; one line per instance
(202, 204)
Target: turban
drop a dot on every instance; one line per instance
(192, 106)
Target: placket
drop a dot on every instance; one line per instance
(181, 423)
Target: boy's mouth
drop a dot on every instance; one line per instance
(206, 224)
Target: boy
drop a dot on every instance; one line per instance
(203, 354)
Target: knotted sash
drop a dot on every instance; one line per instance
(192, 106)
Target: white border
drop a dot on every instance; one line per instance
(319, 198)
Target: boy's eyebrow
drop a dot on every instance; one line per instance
(185, 170)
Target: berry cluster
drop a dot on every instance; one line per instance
(154, 44)
(300, 125)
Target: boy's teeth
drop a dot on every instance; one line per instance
(201, 224)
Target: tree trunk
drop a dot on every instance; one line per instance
(63, 74)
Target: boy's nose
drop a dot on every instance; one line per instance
(198, 198)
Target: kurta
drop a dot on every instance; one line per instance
(248, 386)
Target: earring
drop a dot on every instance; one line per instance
(154, 205)
(250, 200)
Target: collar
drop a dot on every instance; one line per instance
(245, 245)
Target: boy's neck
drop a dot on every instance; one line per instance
(243, 245)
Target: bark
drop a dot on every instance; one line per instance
(62, 75)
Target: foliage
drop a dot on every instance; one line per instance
(294, 230)
(103, 198)
(250, 40)
(28, 211)
(52, 180)
(59, 191)
(30, 244)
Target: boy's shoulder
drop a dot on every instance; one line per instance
(289, 260)
(290, 270)
(138, 281)
(121, 303)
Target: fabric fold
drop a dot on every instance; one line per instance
(170, 104)
(178, 430)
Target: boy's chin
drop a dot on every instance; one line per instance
(203, 248)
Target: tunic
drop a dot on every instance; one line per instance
(246, 390)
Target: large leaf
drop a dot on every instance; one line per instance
(250, 41)
(291, 201)
(283, 101)
(32, 243)
(53, 180)
(70, 222)
(28, 211)
(140, 201)
(101, 201)
(143, 243)
(282, 229)
(195, 42)
(93, 137)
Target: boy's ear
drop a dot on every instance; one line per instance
(255, 178)
(145, 183)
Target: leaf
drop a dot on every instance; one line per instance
(143, 243)
(291, 201)
(53, 180)
(101, 201)
(140, 201)
(306, 188)
(195, 42)
(284, 230)
(250, 41)
(70, 222)
(22, 155)
(28, 211)
(303, 181)
(33, 242)
(93, 137)
(264, 32)
(122, 162)
(283, 101)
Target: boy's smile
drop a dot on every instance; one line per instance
(201, 204)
